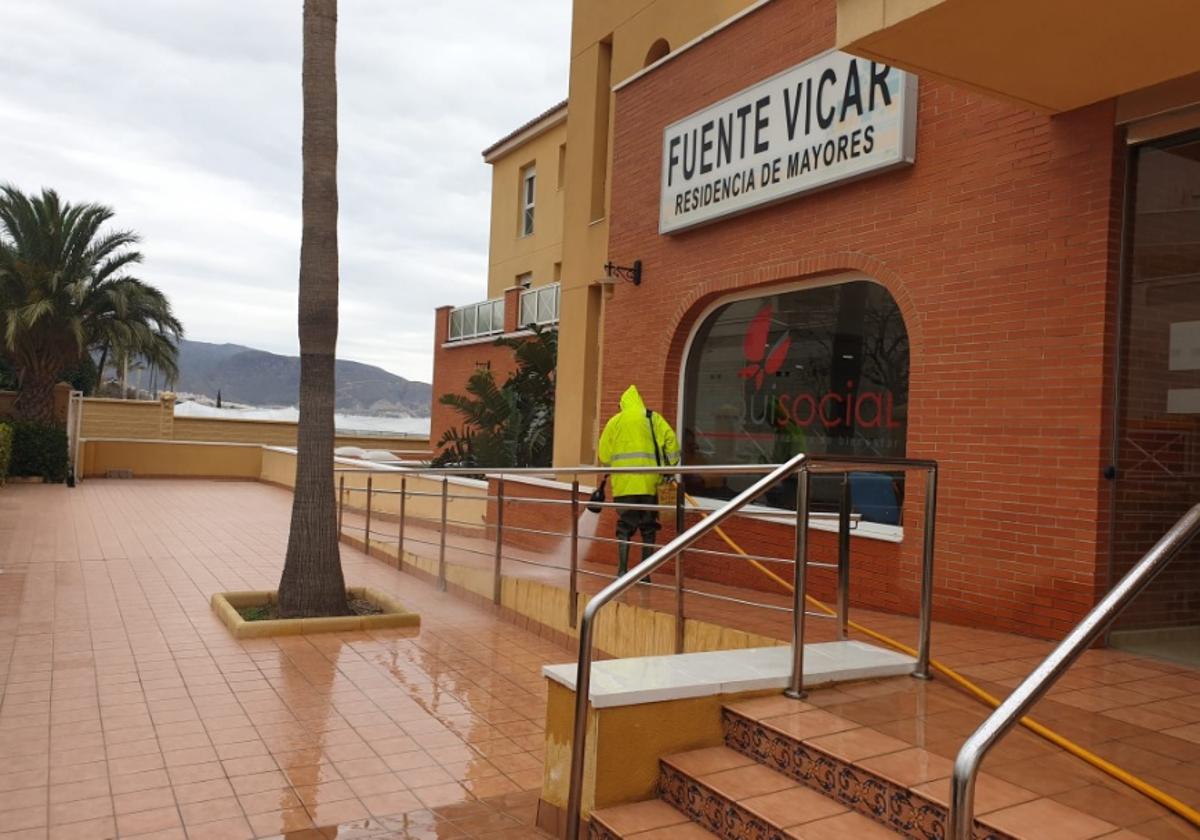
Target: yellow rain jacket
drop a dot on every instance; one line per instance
(627, 442)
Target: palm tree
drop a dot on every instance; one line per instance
(509, 425)
(64, 291)
(312, 582)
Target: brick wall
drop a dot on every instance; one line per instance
(999, 246)
(453, 365)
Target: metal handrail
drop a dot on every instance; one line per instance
(770, 476)
(817, 463)
(804, 465)
(583, 672)
(1032, 688)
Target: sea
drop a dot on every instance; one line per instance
(343, 422)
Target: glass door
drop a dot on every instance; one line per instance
(1158, 409)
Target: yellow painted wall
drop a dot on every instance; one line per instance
(509, 253)
(156, 420)
(1047, 56)
(169, 458)
(134, 419)
(625, 743)
(385, 498)
(609, 42)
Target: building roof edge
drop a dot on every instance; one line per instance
(542, 122)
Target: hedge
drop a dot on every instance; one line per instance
(39, 449)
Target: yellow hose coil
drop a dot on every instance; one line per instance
(1162, 798)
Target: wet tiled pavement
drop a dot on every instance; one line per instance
(127, 710)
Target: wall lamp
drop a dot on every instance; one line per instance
(632, 273)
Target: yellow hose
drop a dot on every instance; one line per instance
(1162, 798)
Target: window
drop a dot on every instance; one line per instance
(562, 165)
(819, 370)
(528, 189)
(540, 306)
(658, 51)
(525, 280)
(476, 320)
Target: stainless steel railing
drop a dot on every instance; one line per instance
(370, 493)
(1033, 687)
(802, 466)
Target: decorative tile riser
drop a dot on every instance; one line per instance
(711, 810)
(907, 813)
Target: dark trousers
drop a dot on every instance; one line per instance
(632, 521)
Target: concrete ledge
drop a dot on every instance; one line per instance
(226, 605)
(653, 679)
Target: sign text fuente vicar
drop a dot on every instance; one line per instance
(833, 118)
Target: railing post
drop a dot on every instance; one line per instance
(572, 584)
(921, 672)
(843, 561)
(499, 540)
(367, 527)
(441, 578)
(795, 689)
(341, 501)
(679, 571)
(400, 531)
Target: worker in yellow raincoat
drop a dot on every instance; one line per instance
(637, 437)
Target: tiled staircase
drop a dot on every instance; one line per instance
(791, 771)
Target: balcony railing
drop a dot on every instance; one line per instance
(476, 320)
(539, 306)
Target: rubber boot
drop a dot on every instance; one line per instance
(622, 558)
(647, 552)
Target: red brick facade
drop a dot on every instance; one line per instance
(454, 362)
(999, 245)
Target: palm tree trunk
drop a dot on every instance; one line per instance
(98, 388)
(312, 582)
(35, 397)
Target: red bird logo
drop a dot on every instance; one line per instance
(762, 363)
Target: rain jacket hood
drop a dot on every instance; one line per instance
(631, 400)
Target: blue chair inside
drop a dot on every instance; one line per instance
(873, 495)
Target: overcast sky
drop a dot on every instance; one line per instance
(184, 116)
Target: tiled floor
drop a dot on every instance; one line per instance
(126, 707)
(127, 710)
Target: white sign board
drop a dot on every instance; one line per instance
(830, 119)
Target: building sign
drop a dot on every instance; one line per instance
(831, 119)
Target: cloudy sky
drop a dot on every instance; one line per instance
(184, 116)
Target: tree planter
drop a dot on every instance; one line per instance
(227, 604)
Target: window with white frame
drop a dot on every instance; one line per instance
(476, 320)
(525, 280)
(540, 306)
(528, 190)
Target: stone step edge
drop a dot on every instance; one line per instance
(888, 803)
(598, 829)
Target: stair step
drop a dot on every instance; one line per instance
(885, 779)
(735, 797)
(653, 819)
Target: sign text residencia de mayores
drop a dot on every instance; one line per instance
(832, 118)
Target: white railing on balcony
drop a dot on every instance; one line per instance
(476, 320)
(539, 306)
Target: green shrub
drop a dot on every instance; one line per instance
(39, 449)
(6, 445)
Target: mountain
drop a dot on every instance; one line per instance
(255, 377)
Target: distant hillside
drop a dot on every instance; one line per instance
(255, 377)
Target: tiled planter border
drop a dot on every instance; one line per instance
(225, 605)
